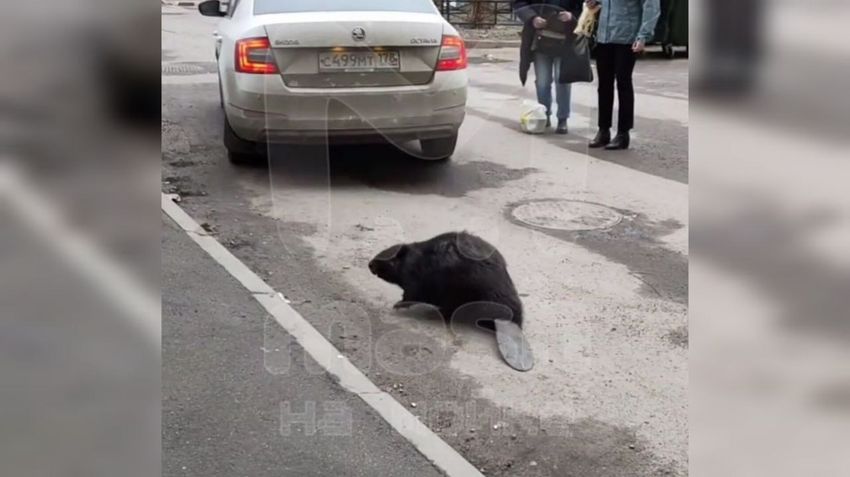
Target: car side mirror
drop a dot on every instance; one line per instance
(211, 8)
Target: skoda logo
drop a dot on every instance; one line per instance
(358, 34)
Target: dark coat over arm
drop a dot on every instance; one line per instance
(526, 10)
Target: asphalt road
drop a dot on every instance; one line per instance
(603, 274)
(80, 378)
(234, 405)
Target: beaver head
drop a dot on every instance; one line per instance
(388, 265)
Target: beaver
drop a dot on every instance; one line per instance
(450, 271)
(467, 279)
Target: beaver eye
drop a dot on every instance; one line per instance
(393, 253)
(385, 256)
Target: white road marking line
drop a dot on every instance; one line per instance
(115, 282)
(442, 455)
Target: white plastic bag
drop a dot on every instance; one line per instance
(533, 118)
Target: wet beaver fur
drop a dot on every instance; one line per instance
(456, 272)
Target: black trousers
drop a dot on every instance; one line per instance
(616, 62)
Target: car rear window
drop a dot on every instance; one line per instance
(262, 7)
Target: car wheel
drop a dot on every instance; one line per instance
(439, 149)
(239, 151)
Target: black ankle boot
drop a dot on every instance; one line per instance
(603, 137)
(562, 127)
(621, 141)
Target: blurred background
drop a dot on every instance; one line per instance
(79, 238)
(770, 238)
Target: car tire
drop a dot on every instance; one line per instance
(239, 151)
(439, 149)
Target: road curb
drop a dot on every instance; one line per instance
(186, 3)
(473, 43)
(118, 285)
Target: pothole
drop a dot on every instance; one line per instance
(570, 215)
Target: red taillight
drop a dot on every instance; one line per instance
(254, 55)
(452, 54)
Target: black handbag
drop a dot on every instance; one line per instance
(575, 62)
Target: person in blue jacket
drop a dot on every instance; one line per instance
(624, 28)
(537, 15)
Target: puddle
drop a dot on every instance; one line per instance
(385, 167)
(625, 237)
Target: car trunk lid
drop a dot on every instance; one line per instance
(355, 49)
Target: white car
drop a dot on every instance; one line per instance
(354, 71)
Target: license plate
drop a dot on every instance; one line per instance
(359, 60)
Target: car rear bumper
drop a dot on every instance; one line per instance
(261, 127)
(261, 108)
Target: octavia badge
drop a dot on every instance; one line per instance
(358, 34)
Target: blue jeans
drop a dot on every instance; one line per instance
(546, 71)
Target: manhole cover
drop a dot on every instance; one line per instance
(571, 215)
